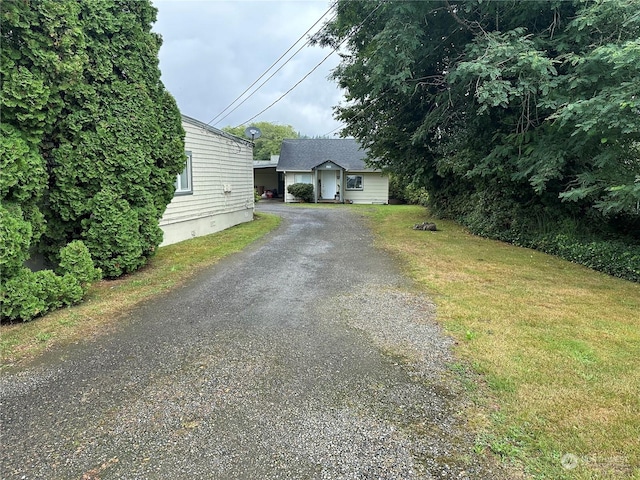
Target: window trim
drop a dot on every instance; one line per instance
(360, 188)
(188, 169)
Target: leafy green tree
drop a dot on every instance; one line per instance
(270, 141)
(512, 114)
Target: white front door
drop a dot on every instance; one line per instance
(328, 184)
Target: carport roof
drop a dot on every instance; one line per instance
(304, 154)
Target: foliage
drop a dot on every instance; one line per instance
(169, 268)
(302, 191)
(83, 113)
(75, 260)
(29, 294)
(513, 106)
(407, 190)
(270, 141)
(22, 181)
(26, 294)
(82, 90)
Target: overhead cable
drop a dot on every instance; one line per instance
(267, 71)
(316, 67)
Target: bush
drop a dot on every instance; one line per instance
(613, 257)
(562, 237)
(302, 191)
(75, 260)
(112, 235)
(416, 195)
(32, 294)
(406, 191)
(27, 295)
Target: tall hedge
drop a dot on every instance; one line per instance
(85, 120)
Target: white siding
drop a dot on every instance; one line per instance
(219, 163)
(375, 189)
(289, 179)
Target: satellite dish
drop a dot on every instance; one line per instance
(252, 132)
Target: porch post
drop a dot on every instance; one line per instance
(315, 185)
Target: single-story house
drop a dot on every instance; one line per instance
(335, 167)
(266, 179)
(215, 190)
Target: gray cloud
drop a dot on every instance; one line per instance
(214, 49)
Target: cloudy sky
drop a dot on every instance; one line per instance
(214, 49)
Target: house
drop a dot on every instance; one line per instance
(215, 190)
(335, 167)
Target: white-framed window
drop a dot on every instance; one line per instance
(354, 182)
(184, 185)
(302, 178)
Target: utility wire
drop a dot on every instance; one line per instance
(268, 69)
(316, 67)
(269, 78)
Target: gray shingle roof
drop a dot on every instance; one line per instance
(304, 154)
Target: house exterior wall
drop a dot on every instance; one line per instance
(222, 186)
(289, 179)
(375, 189)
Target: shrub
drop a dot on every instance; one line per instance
(15, 236)
(32, 294)
(112, 235)
(302, 191)
(75, 260)
(416, 195)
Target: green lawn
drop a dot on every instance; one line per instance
(557, 346)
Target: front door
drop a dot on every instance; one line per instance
(328, 184)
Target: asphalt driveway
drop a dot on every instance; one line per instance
(306, 357)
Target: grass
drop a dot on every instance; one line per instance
(109, 299)
(557, 346)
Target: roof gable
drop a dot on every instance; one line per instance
(306, 154)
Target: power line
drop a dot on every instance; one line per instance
(267, 71)
(291, 89)
(316, 67)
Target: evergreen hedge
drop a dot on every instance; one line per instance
(91, 142)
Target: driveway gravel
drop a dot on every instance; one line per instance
(307, 356)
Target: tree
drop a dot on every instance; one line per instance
(505, 111)
(270, 141)
(85, 119)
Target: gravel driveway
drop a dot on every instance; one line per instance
(306, 357)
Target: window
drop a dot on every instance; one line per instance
(302, 178)
(354, 182)
(183, 180)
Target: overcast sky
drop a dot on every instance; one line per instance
(214, 49)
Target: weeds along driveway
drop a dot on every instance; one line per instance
(303, 357)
